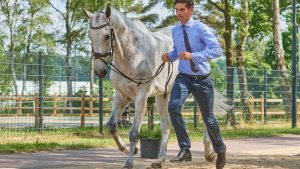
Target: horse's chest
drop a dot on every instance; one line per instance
(126, 87)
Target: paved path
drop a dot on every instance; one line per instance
(111, 158)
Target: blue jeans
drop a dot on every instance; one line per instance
(203, 92)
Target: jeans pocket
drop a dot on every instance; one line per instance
(208, 82)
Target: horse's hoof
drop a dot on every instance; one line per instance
(156, 165)
(211, 157)
(136, 150)
(122, 149)
(127, 165)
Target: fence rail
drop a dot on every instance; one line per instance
(19, 101)
(54, 100)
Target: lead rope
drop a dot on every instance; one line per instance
(168, 78)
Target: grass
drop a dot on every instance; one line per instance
(84, 138)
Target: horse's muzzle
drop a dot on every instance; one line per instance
(101, 74)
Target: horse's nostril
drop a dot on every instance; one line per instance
(101, 74)
(96, 72)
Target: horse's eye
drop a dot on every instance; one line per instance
(107, 37)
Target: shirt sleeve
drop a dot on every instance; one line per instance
(213, 49)
(173, 55)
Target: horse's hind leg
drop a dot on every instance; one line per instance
(162, 108)
(140, 108)
(118, 106)
(208, 150)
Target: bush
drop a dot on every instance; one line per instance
(150, 134)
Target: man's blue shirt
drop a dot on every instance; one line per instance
(204, 46)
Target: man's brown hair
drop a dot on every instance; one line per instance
(188, 3)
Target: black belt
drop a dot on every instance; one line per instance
(196, 77)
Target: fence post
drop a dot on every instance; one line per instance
(19, 110)
(262, 109)
(91, 105)
(41, 77)
(36, 110)
(82, 111)
(100, 106)
(265, 95)
(54, 105)
(150, 112)
(195, 113)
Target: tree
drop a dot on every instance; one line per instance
(281, 65)
(74, 31)
(241, 39)
(226, 8)
(5, 81)
(12, 12)
(34, 36)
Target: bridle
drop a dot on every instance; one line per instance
(110, 54)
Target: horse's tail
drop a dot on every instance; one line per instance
(221, 105)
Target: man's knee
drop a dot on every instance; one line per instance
(210, 121)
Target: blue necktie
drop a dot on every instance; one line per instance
(188, 49)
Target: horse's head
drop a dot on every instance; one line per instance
(101, 38)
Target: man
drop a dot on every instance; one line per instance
(194, 46)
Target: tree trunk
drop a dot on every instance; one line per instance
(24, 79)
(247, 102)
(281, 67)
(12, 56)
(13, 71)
(68, 57)
(229, 62)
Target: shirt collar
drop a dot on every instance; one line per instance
(189, 23)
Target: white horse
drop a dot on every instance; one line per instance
(135, 53)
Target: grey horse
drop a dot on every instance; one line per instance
(136, 55)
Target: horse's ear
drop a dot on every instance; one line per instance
(87, 13)
(108, 12)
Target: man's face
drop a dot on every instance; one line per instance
(183, 13)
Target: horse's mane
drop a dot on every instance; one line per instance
(130, 22)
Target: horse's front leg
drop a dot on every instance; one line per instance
(162, 108)
(118, 106)
(209, 152)
(140, 108)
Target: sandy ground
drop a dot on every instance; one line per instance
(245, 161)
(271, 152)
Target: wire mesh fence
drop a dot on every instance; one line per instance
(70, 94)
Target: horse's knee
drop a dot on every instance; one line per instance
(174, 106)
(112, 127)
(134, 136)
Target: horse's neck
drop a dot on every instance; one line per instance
(125, 37)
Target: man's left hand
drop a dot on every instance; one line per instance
(186, 56)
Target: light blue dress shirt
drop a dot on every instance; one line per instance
(204, 46)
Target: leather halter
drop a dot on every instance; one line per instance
(110, 52)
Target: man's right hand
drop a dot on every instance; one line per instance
(165, 57)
